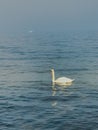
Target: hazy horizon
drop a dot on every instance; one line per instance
(23, 15)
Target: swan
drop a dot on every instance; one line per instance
(60, 81)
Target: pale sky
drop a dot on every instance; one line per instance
(22, 15)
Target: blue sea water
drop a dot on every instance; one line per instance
(27, 98)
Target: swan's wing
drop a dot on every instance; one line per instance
(64, 79)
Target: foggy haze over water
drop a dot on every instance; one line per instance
(36, 15)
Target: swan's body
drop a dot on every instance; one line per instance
(61, 80)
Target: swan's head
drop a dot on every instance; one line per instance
(52, 70)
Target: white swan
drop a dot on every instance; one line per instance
(62, 80)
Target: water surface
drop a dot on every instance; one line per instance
(27, 98)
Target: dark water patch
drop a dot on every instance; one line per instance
(74, 69)
(61, 98)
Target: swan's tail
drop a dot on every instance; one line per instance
(73, 80)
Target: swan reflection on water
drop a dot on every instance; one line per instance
(59, 89)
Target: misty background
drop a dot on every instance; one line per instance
(40, 15)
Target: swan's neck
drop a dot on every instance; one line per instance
(53, 76)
